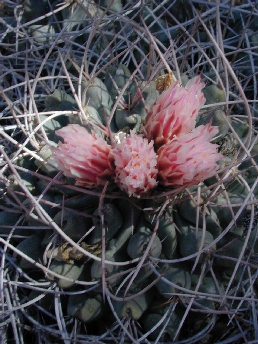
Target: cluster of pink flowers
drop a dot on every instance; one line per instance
(174, 153)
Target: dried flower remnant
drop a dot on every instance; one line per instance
(190, 158)
(135, 164)
(163, 82)
(174, 112)
(83, 156)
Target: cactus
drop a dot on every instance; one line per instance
(161, 245)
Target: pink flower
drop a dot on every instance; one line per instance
(83, 156)
(190, 158)
(135, 164)
(174, 112)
